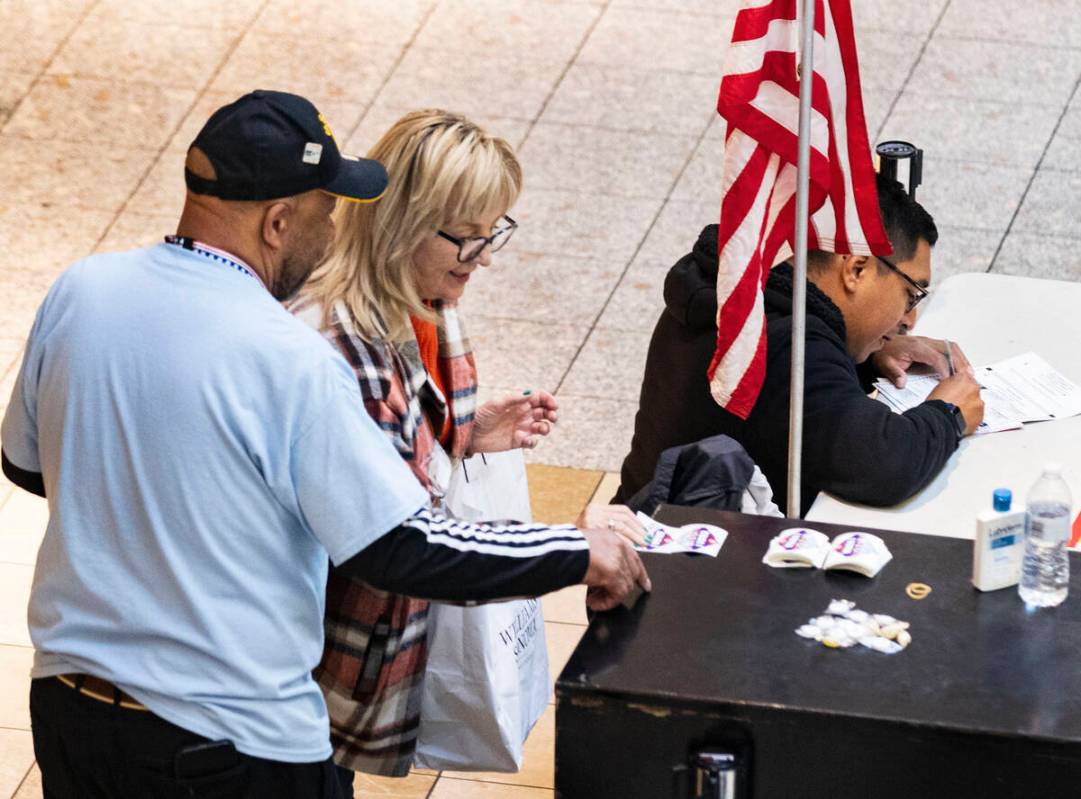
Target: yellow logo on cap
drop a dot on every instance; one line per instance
(326, 126)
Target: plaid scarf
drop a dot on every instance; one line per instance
(375, 646)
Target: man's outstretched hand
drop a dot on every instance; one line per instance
(614, 570)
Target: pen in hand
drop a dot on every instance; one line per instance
(949, 358)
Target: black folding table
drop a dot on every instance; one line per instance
(985, 702)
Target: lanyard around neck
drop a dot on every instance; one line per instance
(213, 253)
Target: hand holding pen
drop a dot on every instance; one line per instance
(955, 360)
(960, 388)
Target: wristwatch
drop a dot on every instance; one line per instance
(958, 419)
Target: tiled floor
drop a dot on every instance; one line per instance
(610, 103)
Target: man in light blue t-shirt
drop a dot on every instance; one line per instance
(203, 454)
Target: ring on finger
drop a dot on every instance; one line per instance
(612, 524)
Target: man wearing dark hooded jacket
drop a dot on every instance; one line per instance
(859, 309)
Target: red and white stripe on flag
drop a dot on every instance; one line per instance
(759, 99)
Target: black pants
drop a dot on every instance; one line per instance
(346, 777)
(89, 749)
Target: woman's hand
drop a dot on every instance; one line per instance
(617, 518)
(512, 422)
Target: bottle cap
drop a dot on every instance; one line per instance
(1002, 497)
(1052, 468)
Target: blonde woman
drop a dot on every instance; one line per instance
(385, 296)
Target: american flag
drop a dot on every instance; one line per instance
(759, 99)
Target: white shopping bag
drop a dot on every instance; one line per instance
(486, 682)
(485, 686)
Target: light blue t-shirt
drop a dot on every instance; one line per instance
(203, 453)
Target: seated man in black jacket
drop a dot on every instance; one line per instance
(859, 310)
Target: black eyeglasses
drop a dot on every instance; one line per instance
(471, 247)
(913, 299)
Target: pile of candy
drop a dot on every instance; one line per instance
(843, 625)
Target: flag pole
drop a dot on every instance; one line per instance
(799, 287)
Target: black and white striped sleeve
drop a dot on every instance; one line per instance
(433, 557)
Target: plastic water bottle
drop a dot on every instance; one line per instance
(1045, 573)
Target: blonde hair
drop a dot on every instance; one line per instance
(443, 170)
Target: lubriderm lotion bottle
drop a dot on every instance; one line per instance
(999, 547)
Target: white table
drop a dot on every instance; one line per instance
(992, 317)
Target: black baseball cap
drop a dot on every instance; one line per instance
(273, 144)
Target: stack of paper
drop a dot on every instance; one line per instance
(1021, 389)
